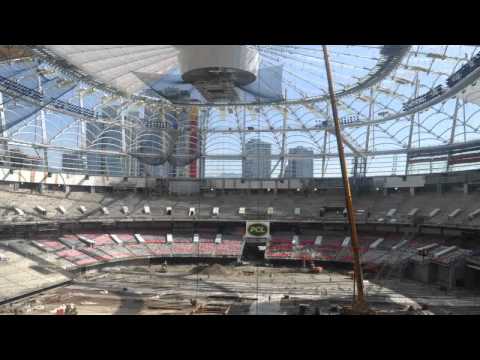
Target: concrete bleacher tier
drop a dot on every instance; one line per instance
(374, 205)
(69, 252)
(139, 250)
(335, 248)
(74, 252)
(76, 257)
(22, 274)
(281, 247)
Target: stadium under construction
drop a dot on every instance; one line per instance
(239, 179)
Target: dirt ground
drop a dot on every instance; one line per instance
(234, 290)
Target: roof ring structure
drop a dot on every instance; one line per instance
(282, 74)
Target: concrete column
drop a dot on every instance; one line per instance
(465, 189)
(439, 188)
(67, 188)
(92, 189)
(385, 191)
(451, 277)
(412, 191)
(41, 188)
(469, 278)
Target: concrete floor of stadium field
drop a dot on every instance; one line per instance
(234, 290)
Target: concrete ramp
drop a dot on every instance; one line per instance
(474, 214)
(391, 212)
(41, 209)
(346, 241)
(444, 251)
(412, 212)
(86, 241)
(455, 213)
(426, 248)
(399, 245)
(116, 239)
(39, 246)
(18, 211)
(295, 240)
(139, 238)
(377, 242)
(434, 213)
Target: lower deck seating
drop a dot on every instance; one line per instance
(68, 249)
(99, 238)
(97, 253)
(229, 248)
(184, 249)
(125, 237)
(139, 250)
(329, 250)
(154, 238)
(158, 249)
(117, 252)
(51, 245)
(77, 257)
(207, 248)
(71, 241)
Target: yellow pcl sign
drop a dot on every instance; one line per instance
(258, 229)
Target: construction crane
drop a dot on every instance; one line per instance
(359, 305)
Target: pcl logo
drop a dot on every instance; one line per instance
(258, 229)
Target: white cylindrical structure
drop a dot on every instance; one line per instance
(196, 61)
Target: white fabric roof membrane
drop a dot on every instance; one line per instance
(471, 94)
(299, 68)
(116, 64)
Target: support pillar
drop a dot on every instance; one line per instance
(465, 189)
(92, 189)
(385, 191)
(41, 188)
(451, 277)
(412, 191)
(67, 189)
(439, 188)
